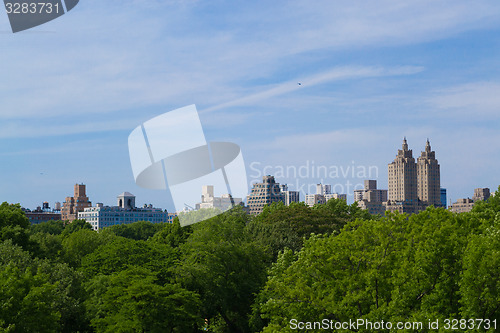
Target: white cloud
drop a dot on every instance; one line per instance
(477, 100)
(20, 129)
(123, 58)
(115, 55)
(335, 74)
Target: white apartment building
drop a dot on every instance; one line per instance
(290, 196)
(209, 200)
(102, 216)
(323, 195)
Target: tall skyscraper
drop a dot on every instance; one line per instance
(428, 178)
(403, 178)
(414, 185)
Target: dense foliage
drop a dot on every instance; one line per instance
(234, 273)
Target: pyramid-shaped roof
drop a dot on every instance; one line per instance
(126, 194)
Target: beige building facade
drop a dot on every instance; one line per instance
(465, 205)
(323, 194)
(72, 205)
(371, 198)
(403, 176)
(481, 194)
(209, 200)
(428, 178)
(414, 185)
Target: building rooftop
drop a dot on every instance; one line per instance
(126, 194)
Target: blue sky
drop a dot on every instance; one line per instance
(72, 90)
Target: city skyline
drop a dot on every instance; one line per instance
(74, 88)
(424, 169)
(312, 188)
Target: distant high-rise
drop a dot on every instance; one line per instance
(428, 178)
(443, 198)
(289, 196)
(465, 204)
(370, 193)
(75, 204)
(323, 194)
(481, 194)
(371, 198)
(414, 185)
(314, 199)
(403, 176)
(263, 194)
(323, 189)
(462, 205)
(209, 200)
(402, 173)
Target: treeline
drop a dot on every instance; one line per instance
(234, 273)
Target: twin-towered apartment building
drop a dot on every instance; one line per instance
(414, 185)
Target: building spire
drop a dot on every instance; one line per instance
(428, 146)
(405, 144)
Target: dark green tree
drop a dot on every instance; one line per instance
(80, 243)
(394, 269)
(68, 295)
(480, 283)
(75, 226)
(141, 230)
(47, 245)
(191, 217)
(27, 301)
(279, 226)
(132, 301)
(173, 234)
(50, 227)
(122, 253)
(14, 225)
(226, 268)
(14, 254)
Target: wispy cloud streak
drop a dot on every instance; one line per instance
(335, 74)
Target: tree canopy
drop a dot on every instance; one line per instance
(237, 273)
